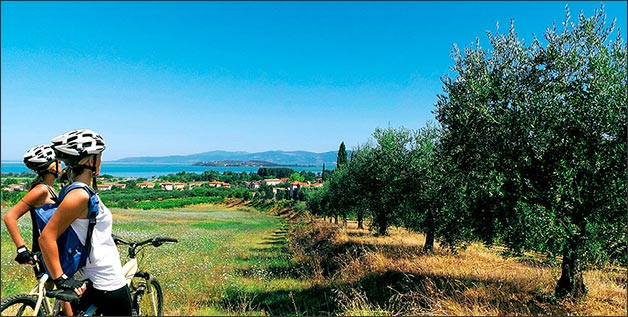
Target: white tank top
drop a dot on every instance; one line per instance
(103, 266)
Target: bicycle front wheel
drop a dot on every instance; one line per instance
(20, 305)
(150, 300)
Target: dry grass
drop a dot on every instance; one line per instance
(392, 276)
(230, 262)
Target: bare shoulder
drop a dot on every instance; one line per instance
(77, 194)
(36, 196)
(75, 203)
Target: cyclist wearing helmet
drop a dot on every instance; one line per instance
(41, 160)
(81, 151)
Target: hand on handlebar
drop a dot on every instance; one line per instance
(25, 256)
(69, 283)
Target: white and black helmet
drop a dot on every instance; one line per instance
(73, 146)
(39, 158)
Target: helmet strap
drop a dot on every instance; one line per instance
(94, 186)
(93, 169)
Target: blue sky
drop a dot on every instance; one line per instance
(175, 78)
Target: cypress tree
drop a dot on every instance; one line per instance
(342, 155)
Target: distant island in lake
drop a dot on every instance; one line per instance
(253, 163)
(235, 163)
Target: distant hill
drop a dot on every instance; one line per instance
(277, 157)
(236, 163)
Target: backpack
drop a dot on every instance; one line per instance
(35, 242)
(72, 253)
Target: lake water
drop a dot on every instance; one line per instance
(149, 170)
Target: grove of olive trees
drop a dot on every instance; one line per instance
(529, 152)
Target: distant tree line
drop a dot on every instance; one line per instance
(529, 152)
(235, 177)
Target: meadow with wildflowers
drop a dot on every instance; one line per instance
(233, 259)
(223, 253)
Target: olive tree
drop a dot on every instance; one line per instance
(423, 187)
(538, 135)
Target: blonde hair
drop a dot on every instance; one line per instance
(52, 168)
(78, 169)
(85, 159)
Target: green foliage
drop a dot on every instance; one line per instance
(297, 177)
(107, 177)
(266, 191)
(210, 175)
(536, 136)
(177, 202)
(342, 155)
(275, 172)
(27, 174)
(530, 153)
(11, 198)
(158, 198)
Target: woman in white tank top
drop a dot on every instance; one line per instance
(81, 150)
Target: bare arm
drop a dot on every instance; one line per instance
(73, 206)
(35, 197)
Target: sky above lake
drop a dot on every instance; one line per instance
(176, 78)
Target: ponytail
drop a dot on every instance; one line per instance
(52, 169)
(72, 171)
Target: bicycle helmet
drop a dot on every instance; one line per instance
(75, 145)
(39, 158)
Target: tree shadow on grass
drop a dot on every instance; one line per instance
(425, 290)
(393, 290)
(398, 292)
(274, 241)
(314, 301)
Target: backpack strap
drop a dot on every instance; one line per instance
(35, 242)
(92, 212)
(54, 197)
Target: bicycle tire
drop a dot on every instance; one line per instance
(153, 292)
(20, 305)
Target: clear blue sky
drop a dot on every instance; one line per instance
(176, 78)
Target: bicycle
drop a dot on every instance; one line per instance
(36, 302)
(146, 292)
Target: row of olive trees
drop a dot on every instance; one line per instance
(530, 152)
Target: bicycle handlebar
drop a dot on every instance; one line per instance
(64, 295)
(156, 242)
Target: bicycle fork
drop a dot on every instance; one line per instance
(141, 291)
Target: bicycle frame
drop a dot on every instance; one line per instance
(131, 270)
(40, 292)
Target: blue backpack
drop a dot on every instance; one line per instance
(72, 253)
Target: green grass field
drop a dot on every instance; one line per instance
(228, 261)
(235, 261)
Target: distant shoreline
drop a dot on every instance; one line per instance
(150, 170)
(234, 163)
